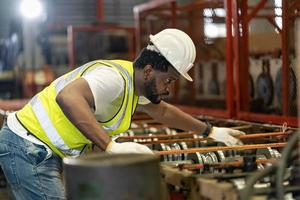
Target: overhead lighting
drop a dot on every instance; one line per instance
(31, 9)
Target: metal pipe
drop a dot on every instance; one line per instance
(189, 134)
(221, 165)
(191, 140)
(225, 148)
(229, 60)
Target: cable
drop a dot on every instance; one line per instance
(247, 191)
(282, 165)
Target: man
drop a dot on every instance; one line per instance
(91, 103)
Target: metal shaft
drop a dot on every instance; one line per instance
(191, 140)
(180, 137)
(222, 164)
(225, 148)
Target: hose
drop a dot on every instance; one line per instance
(286, 157)
(282, 165)
(247, 191)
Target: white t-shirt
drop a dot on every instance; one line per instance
(107, 86)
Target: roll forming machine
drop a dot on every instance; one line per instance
(193, 167)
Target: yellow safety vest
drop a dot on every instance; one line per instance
(43, 117)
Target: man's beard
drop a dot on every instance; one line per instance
(151, 92)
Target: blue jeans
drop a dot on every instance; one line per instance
(31, 171)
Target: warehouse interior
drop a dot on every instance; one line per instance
(245, 77)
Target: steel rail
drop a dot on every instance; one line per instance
(190, 134)
(222, 165)
(158, 126)
(191, 140)
(222, 148)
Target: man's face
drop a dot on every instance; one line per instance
(159, 85)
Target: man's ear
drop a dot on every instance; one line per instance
(148, 72)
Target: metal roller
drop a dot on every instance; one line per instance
(292, 85)
(211, 159)
(183, 146)
(221, 158)
(197, 158)
(268, 153)
(170, 156)
(166, 130)
(161, 147)
(264, 84)
(196, 143)
(176, 157)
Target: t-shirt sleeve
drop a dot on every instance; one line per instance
(106, 85)
(143, 100)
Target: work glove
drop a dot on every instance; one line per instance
(127, 147)
(226, 136)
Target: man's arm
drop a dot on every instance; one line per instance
(76, 101)
(173, 117)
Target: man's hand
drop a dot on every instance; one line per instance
(226, 136)
(127, 147)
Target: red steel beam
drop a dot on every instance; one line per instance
(295, 5)
(198, 5)
(275, 119)
(241, 42)
(256, 9)
(139, 9)
(272, 21)
(229, 61)
(205, 111)
(100, 12)
(244, 68)
(285, 59)
(236, 47)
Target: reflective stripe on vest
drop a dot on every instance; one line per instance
(48, 127)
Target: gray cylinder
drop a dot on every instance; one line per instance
(112, 177)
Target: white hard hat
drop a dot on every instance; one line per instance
(177, 47)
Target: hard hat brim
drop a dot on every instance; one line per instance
(187, 77)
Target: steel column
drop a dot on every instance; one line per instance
(229, 61)
(285, 59)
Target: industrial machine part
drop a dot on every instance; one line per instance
(194, 167)
(264, 84)
(109, 177)
(292, 86)
(251, 86)
(213, 85)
